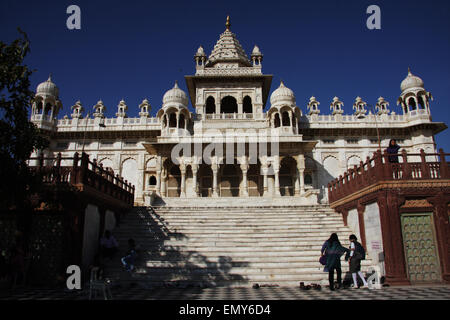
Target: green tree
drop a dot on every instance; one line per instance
(18, 136)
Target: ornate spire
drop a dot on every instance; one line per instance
(228, 23)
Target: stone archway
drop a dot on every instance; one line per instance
(255, 180)
(288, 175)
(205, 180)
(228, 105)
(230, 179)
(173, 179)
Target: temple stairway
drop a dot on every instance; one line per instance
(226, 246)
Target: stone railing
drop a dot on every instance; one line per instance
(242, 71)
(83, 172)
(419, 166)
(381, 119)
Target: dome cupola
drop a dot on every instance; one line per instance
(282, 95)
(411, 82)
(48, 88)
(175, 96)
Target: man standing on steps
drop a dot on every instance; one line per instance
(357, 253)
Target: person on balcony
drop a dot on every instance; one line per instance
(392, 150)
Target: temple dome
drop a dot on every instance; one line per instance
(282, 94)
(48, 88)
(175, 95)
(411, 81)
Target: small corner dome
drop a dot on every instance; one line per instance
(256, 51)
(175, 95)
(48, 88)
(200, 51)
(411, 81)
(283, 93)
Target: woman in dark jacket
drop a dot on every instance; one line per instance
(334, 252)
(392, 150)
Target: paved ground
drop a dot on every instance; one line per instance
(438, 292)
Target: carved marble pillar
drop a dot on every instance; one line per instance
(163, 183)
(297, 183)
(244, 168)
(183, 180)
(215, 170)
(194, 178)
(277, 182)
(301, 172)
(158, 182)
(265, 182)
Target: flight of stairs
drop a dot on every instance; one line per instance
(229, 246)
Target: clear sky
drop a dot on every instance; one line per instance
(133, 49)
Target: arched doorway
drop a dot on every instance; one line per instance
(205, 180)
(276, 121)
(230, 179)
(288, 175)
(255, 181)
(228, 105)
(247, 105)
(210, 105)
(173, 181)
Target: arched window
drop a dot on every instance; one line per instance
(276, 121)
(39, 107)
(172, 120)
(181, 121)
(48, 107)
(421, 102)
(308, 179)
(210, 105)
(228, 105)
(286, 120)
(165, 120)
(247, 107)
(412, 104)
(152, 181)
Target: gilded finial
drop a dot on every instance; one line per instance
(49, 77)
(228, 24)
(409, 70)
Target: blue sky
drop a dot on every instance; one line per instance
(137, 49)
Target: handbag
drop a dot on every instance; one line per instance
(323, 260)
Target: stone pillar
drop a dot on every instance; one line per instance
(277, 182)
(158, 182)
(297, 183)
(194, 178)
(301, 172)
(265, 182)
(183, 181)
(244, 168)
(163, 183)
(215, 170)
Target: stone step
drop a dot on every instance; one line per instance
(270, 278)
(229, 247)
(219, 242)
(300, 260)
(230, 223)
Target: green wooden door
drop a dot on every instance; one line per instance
(420, 247)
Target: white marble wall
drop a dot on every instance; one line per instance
(374, 240)
(353, 222)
